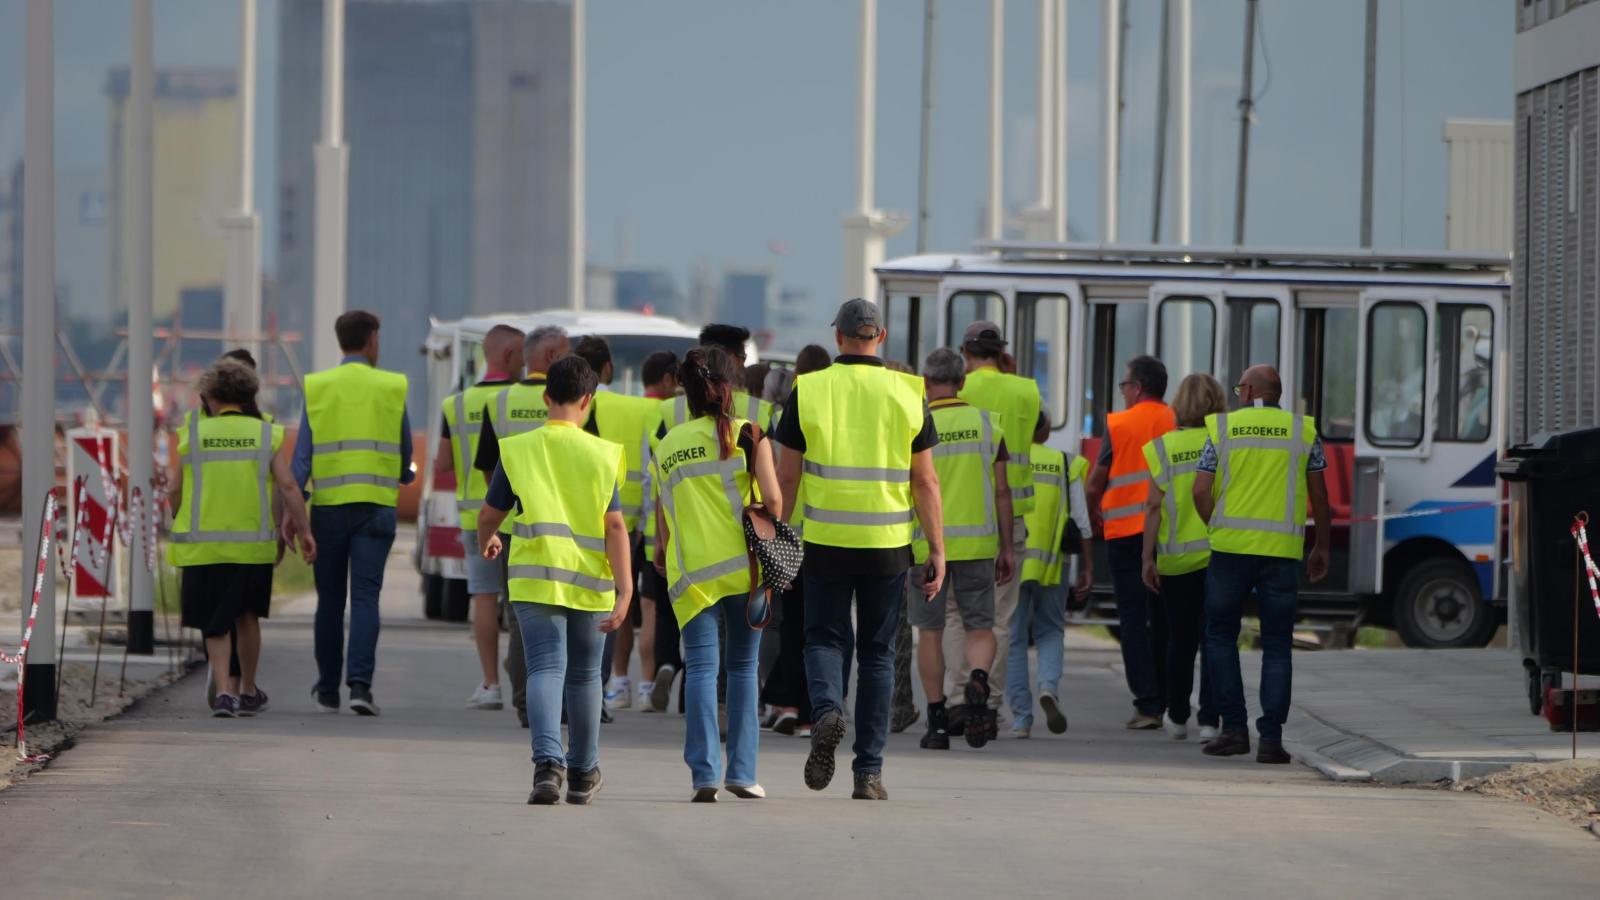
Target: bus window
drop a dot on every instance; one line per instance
(1186, 332)
(1396, 374)
(967, 307)
(1042, 349)
(1465, 347)
(1328, 370)
(911, 324)
(1117, 336)
(1252, 335)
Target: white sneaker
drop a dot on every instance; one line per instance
(645, 687)
(620, 696)
(1208, 732)
(1175, 730)
(1021, 730)
(485, 696)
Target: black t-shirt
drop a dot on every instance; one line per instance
(872, 561)
(488, 454)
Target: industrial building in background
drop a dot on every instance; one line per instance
(459, 119)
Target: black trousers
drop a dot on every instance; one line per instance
(786, 685)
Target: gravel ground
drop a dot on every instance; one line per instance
(1569, 789)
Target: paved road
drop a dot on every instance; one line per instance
(428, 800)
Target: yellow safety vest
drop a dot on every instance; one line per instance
(1053, 475)
(225, 514)
(354, 411)
(520, 408)
(1016, 400)
(675, 410)
(859, 421)
(463, 412)
(703, 498)
(628, 421)
(1260, 485)
(652, 488)
(1181, 543)
(964, 459)
(564, 478)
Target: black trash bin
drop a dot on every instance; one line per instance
(1552, 479)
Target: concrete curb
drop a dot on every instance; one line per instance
(1347, 756)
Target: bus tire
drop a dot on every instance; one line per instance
(432, 596)
(1438, 605)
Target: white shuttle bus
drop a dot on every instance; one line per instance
(1399, 356)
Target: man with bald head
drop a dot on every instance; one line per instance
(458, 445)
(1259, 466)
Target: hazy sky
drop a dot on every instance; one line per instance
(716, 127)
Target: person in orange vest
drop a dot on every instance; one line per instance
(1118, 486)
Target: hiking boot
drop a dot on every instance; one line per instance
(979, 715)
(582, 786)
(869, 786)
(938, 736)
(825, 737)
(361, 701)
(955, 720)
(253, 704)
(1054, 718)
(1228, 743)
(1272, 753)
(903, 717)
(1143, 723)
(547, 779)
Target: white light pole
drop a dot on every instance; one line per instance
(38, 356)
(866, 227)
(1111, 49)
(242, 226)
(1038, 220)
(997, 38)
(1184, 92)
(139, 290)
(331, 158)
(577, 274)
(1059, 140)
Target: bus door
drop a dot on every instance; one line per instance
(911, 314)
(1046, 342)
(1183, 329)
(1258, 329)
(967, 299)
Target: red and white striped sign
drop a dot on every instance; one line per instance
(94, 459)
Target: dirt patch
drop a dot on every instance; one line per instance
(75, 714)
(1569, 789)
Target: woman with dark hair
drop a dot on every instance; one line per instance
(710, 468)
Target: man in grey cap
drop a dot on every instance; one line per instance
(863, 443)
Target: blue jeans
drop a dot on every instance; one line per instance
(879, 603)
(1184, 597)
(1143, 626)
(562, 649)
(702, 748)
(353, 544)
(1041, 612)
(1230, 579)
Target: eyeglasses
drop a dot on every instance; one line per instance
(1238, 390)
(1126, 383)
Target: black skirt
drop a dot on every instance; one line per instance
(215, 596)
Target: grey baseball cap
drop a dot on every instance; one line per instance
(984, 334)
(856, 317)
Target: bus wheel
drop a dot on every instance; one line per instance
(432, 596)
(1438, 605)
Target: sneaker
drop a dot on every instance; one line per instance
(1228, 743)
(661, 688)
(786, 723)
(547, 779)
(226, 706)
(253, 704)
(979, 715)
(1272, 753)
(326, 703)
(1178, 731)
(605, 716)
(803, 731)
(1054, 718)
(361, 701)
(825, 738)
(645, 689)
(938, 734)
(486, 696)
(1208, 732)
(620, 694)
(1021, 730)
(869, 786)
(904, 717)
(704, 795)
(582, 786)
(747, 791)
(1143, 723)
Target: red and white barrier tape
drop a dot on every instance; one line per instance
(20, 660)
(80, 524)
(1580, 533)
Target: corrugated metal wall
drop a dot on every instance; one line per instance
(1555, 364)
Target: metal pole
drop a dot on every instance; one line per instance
(925, 152)
(38, 341)
(1246, 111)
(1046, 153)
(866, 107)
(332, 169)
(1185, 63)
(1111, 48)
(1369, 120)
(997, 214)
(242, 300)
(1163, 109)
(576, 259)
(141, 286)
(1058, 166)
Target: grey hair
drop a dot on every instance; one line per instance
(776, 388)
(534, 343)
(229, 381)
(945, 366)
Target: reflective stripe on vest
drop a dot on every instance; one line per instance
(354, 413)
(964, 456)
(1047, 522)
(505, 426)
(1016, 401)
(197, 544)
(1237, 530)
(558, 548)
(1181, 542)
(859, 422)
(1127, 488)
(471, 484)
(709, 558)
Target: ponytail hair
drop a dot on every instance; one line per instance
(708, 376)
